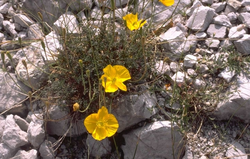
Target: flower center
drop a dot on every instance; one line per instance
(135, 24)
(100, 124)
(113, 80)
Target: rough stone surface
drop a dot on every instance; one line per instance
(13, 136)
(5, 151)
(200, 19)
(23, 124)
(245, 18)
(98, 148)
(180, 77)
(23, 20)
(222, 20)
(154, 141)
(236, 151)
(243, 44)
(4, 8)
(212, 43)
(131, 109)
(78, 5)
(46, 151)
(216, 31)
(218, 7)
(34, 32)
(21, 154)
(236, 32)
(190, 61)
(227, 74)
(234, 3)
(162, 68)
(10, 28)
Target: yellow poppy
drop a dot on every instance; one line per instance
(113, 78)
(101, 124)
(167, 2)
(76, 107)
(132, 21)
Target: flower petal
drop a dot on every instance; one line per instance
(102, 113)
(90, 122)
(122, 73)
(110, 87)
(131, 19)
(167, 2)
(99, 134)
(112, 125)
(121, 85)
(109, 71)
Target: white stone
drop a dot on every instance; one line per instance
(98, 148)
(245, 3)
(153, 141)
(162, 68)
(190, 61)
(118, 3)
(5, 151)
(21, 154)
(180, 77)
(232, 17)
(23, 20)
(234, 3)
(218, 7)
(203, 68)
(201, 18)
(201, 35)
(191, 72)
(243, 44)
(34, 31)
(216, 31)
(212, 43)
(4, 8)
(222, 20)
(236, 32)
(76, 5)
(23, 124)
(195, 5)
(227, 74)
(174, 66)
(245, 18)
(10, 28)
(189, 45)
(236, 151)
(46, 151)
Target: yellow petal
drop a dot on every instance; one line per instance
(121, 85)
(112, 125)
(90, 122)
(99, 134)
(110, 87)
(102, 113)
(141, 23)
(132, 21)
(167, 2)
(122, 73)
(109, 71)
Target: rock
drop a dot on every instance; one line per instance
(189, 45)
(201, 35)
(245, 18)
(46, 151)
(196, 4)
(234, 3)
(5, 151)
(207, 2)
(68, 22)
(61, 124)
(4, 8)
(162, 68)
(237, 102)
(2, 123)
(35, 32)
(153, 141)
(50, 9)
(10, 96)
(243, 44)
(218, 7)
(188, 154)
(236, 151)
(216, 31)
(190, 61)
(118, 3)
(212, 43)
(227, 74)
(21, 154)
(98, 148)
(174, 66)
(36, 133)
(198, 83)
(191, 72)
(78, 5)
(10, 28)
(23, 124)
(236, 32)
(131, 109)
(23, 20)
(180, 77)
(232, 17)
(174, 37)
(202, 68)
(1, 20)
(222, 20)
(13, 136)
(245, 3)
(200, 19)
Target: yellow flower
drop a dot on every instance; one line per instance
(113, 78)
(132, 21)
(167, 2)
(101, 124)
(76, 107)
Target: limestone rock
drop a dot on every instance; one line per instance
(23, 124)
(222, 20)
(236, 151)
(98, 148)
(162, 68)
(234, 3)
(243, 44)
(4, 8)
(245, 18)
(131, 109)
(216, 31)
(227, 74)
(23, 20)
(218, 7)
(10, 28)
(5, 151)
(34, 31)
(154, 141)
(78, 5)
(190, 61)
(46, 151)
(21, 154)
(212, 43)
(236, 32)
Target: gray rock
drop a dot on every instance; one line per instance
(34, 31)
(153, 141)
(23, 20)
(50, 9)
(162, 67)
(237, 102)
(21, 154)
(201, 18)
(12, 93)
(174, 66)
(131, 109)
(23, 124)
(190, 61)
(180, 77)
(198, 83)
(232, 17)
(11, 11)
(22, 35)
(118, 3)
(201, 35)
(36, 133)
(1, 37)
(227, 74)
(236, 151)
(188, 154)
(207, 2)
(234, 3)
(46, 151)
(216, 31)
(5, 151)
(61, 125)
(1, 20)
(245, 3)
(173, 39)
(98, 148)
(78, 5)
(236, 32)
(191, 72)
(2, 2)
(229, 9)
(189, 45)
(10, 28)
(202, 68)
(68, 22)
(196, 4)
(218, 7)
(222, 20)
(2, 123)
(4, 8)
(212, 43)
(243, 44)
(245, 18)
(13, 136)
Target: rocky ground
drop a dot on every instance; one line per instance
(202, 30)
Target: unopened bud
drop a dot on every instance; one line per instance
(76, 107)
